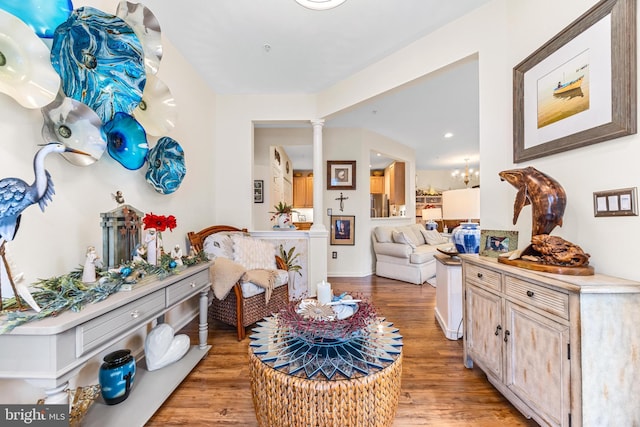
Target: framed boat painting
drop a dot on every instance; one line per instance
(579, 88)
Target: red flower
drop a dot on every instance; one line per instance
(159, 222)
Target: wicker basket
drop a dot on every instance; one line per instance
(287, 401)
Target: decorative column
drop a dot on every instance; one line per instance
(318, 234)
(318, 209)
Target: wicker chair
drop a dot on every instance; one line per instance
(235, 309)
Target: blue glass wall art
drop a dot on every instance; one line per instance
(75, 125)
(166, 166)
(126, 141)
(26, 73)
(157, 111)
(100, 61)
(147, 28)
(42, 16)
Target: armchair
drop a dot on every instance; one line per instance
(242, 307)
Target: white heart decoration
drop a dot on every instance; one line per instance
(162, 348)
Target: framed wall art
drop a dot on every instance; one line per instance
(258, 191)
(341, 175)
(496, 242)
(620, 202)
(343, 228)
(579, 88)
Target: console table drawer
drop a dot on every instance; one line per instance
(483, 276)
(186, 286)
(100, 330)
(549, 300)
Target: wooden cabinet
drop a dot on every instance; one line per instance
(302, 191)
(376, 184)
(396, 183)
(552, 343)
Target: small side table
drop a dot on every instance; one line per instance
(449, 295)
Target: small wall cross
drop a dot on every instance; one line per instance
(342, 199)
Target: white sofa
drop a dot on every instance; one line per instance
(402, 252)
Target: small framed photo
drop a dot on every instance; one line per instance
(496, 242)
(341, 175)
(258, 191)
(343, 229)
(620, 202)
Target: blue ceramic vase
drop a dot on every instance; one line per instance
(466, 237)
(116, 376)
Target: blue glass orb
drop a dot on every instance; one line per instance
(466, 237)
(125, 271)
(126, 141)
(173, 264)
(101, 62)
(41, 16)
(166, 166)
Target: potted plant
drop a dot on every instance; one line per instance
(282, 214)
(289, 258)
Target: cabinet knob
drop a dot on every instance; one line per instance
(135, 314)
(529, 293)
(479, 275)
(192, 284)
(498, 329)
(506, 335)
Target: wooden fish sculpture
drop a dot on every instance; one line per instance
(545, 195)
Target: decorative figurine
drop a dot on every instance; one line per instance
(176, 255)
(16, 195)
(118, 197)
(89, 270)
(140, 253)
(151, 240)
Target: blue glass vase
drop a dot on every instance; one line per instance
(116, 376)
(466, 237)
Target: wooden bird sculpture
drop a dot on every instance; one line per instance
(15, 196)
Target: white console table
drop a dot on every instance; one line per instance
(50, 351)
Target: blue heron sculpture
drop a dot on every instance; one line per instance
(15, 196)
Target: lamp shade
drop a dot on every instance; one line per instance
(461, 204)
(431, 214)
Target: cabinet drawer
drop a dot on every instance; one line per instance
(486, 277)
(549, 300)
(186, 286)
(126, 318)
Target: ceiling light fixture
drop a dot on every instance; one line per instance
(320, 4)
(448, 135)
(468, 175)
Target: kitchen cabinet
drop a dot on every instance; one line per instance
(396, 183)
(376, 184)
(303, 191)
(553, 344)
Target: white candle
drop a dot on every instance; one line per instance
(324, 292)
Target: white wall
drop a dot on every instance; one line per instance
(54, 242)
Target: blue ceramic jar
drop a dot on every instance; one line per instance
(116, 376)
(466, 237)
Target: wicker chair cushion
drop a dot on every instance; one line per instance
(224, 275)
(249, 289)
(254, 254)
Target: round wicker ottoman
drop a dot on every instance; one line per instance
(283, 400)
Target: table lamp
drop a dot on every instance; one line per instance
(463, 204)
(429, 214)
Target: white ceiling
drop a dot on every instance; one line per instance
(308, 51)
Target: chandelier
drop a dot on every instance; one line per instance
(468, 175)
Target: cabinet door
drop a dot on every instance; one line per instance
(484, 329)
(376, 184)
(299, 191)
(537, 363)
(308, 186)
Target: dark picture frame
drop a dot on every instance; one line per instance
(579, 88)
(622, 202)
(496, 242)
(341, 175)
(258, 191)
(343, 229)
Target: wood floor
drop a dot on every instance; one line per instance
(437, 390)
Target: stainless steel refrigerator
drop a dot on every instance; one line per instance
(379, 205)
